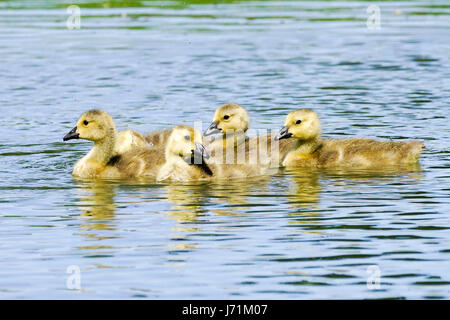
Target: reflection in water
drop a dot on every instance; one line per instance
(188, 201)
(97, 206)
(372, 176)
(306, 191)
(234, 194)
(186, 205)
(304, 196)
(193, 199)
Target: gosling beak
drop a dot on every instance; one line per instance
(197, 155)
(212, 129)
(72, 135)
(200, 153)
(284, 134)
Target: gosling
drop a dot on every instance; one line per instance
(232, 121)
(103, 161)
(186, 160)
(311, 150)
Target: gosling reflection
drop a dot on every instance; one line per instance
(307, 188)
(235, 194)
(336, 176)
(97, 206)
(305, 193)
(188, 201)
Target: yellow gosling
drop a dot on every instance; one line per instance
(184, 156)
(313, 151)
(186, 160)
(232, 122)
(102, 161)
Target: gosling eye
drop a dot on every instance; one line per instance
(226, 117)
(85, 122)
(298, 121)
(187, 138)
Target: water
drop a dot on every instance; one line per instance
(296, 235)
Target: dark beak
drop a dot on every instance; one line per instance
(72, 135)
(284, 134)
(198, 154)
(212, 129)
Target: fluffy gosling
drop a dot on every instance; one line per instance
(103, 161)
(232, 122)
(186, 160)
(311, 150)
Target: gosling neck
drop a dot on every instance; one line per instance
(103, 149)
(308, 146)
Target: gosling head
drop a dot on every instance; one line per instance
(93, 125)
(302, 124)
(186, 143)
(229, 117)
